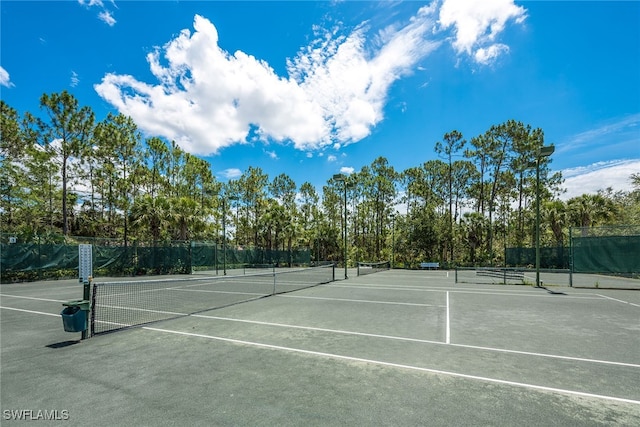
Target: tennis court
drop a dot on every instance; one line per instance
(391, 348)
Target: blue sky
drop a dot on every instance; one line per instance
(315, 88)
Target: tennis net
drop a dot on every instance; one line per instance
(490, 275)
(372, 267)
(124, 304)
(512, 276)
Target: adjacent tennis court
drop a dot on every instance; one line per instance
(392, 348)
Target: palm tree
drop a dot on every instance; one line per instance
(271, 223)
(590, 210)
(185, 217)
(151, 214)
(473, 224)
(555, 214)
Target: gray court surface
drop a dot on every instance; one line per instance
(392, 348)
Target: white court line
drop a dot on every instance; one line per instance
(418, 340)
(214, 291)
(360, 300)
(619, 300)
(53, 287)
(448, 330)
(527, 290)
(33, 298)
(401, 366)
(551, 356)
(146, 310)
(312, 328)
(525, 293)
(42, 287)
(499, 350)
(29, 311)
(430, 289)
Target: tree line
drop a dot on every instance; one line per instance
(66, 174)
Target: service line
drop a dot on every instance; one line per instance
(397, 365)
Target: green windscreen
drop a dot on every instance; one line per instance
(28, 260)
(550, 257)
(606, 254)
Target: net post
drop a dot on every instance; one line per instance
(215, 256)
(274, 280)
(190, 256)
(570, 257)
(93, 312)
(86, 295)
(85, 273)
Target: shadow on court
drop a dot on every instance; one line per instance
(63, 344)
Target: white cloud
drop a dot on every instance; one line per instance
(231, 173)
(272, 154)
(207, 99)
(331, 158)
(5, 80)
(599, 176)
(107, 17)
(90, 3)
(477, 24)
(347, 170)
(486, 56)
(351, 81)
(74, 79)
(619, 129)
